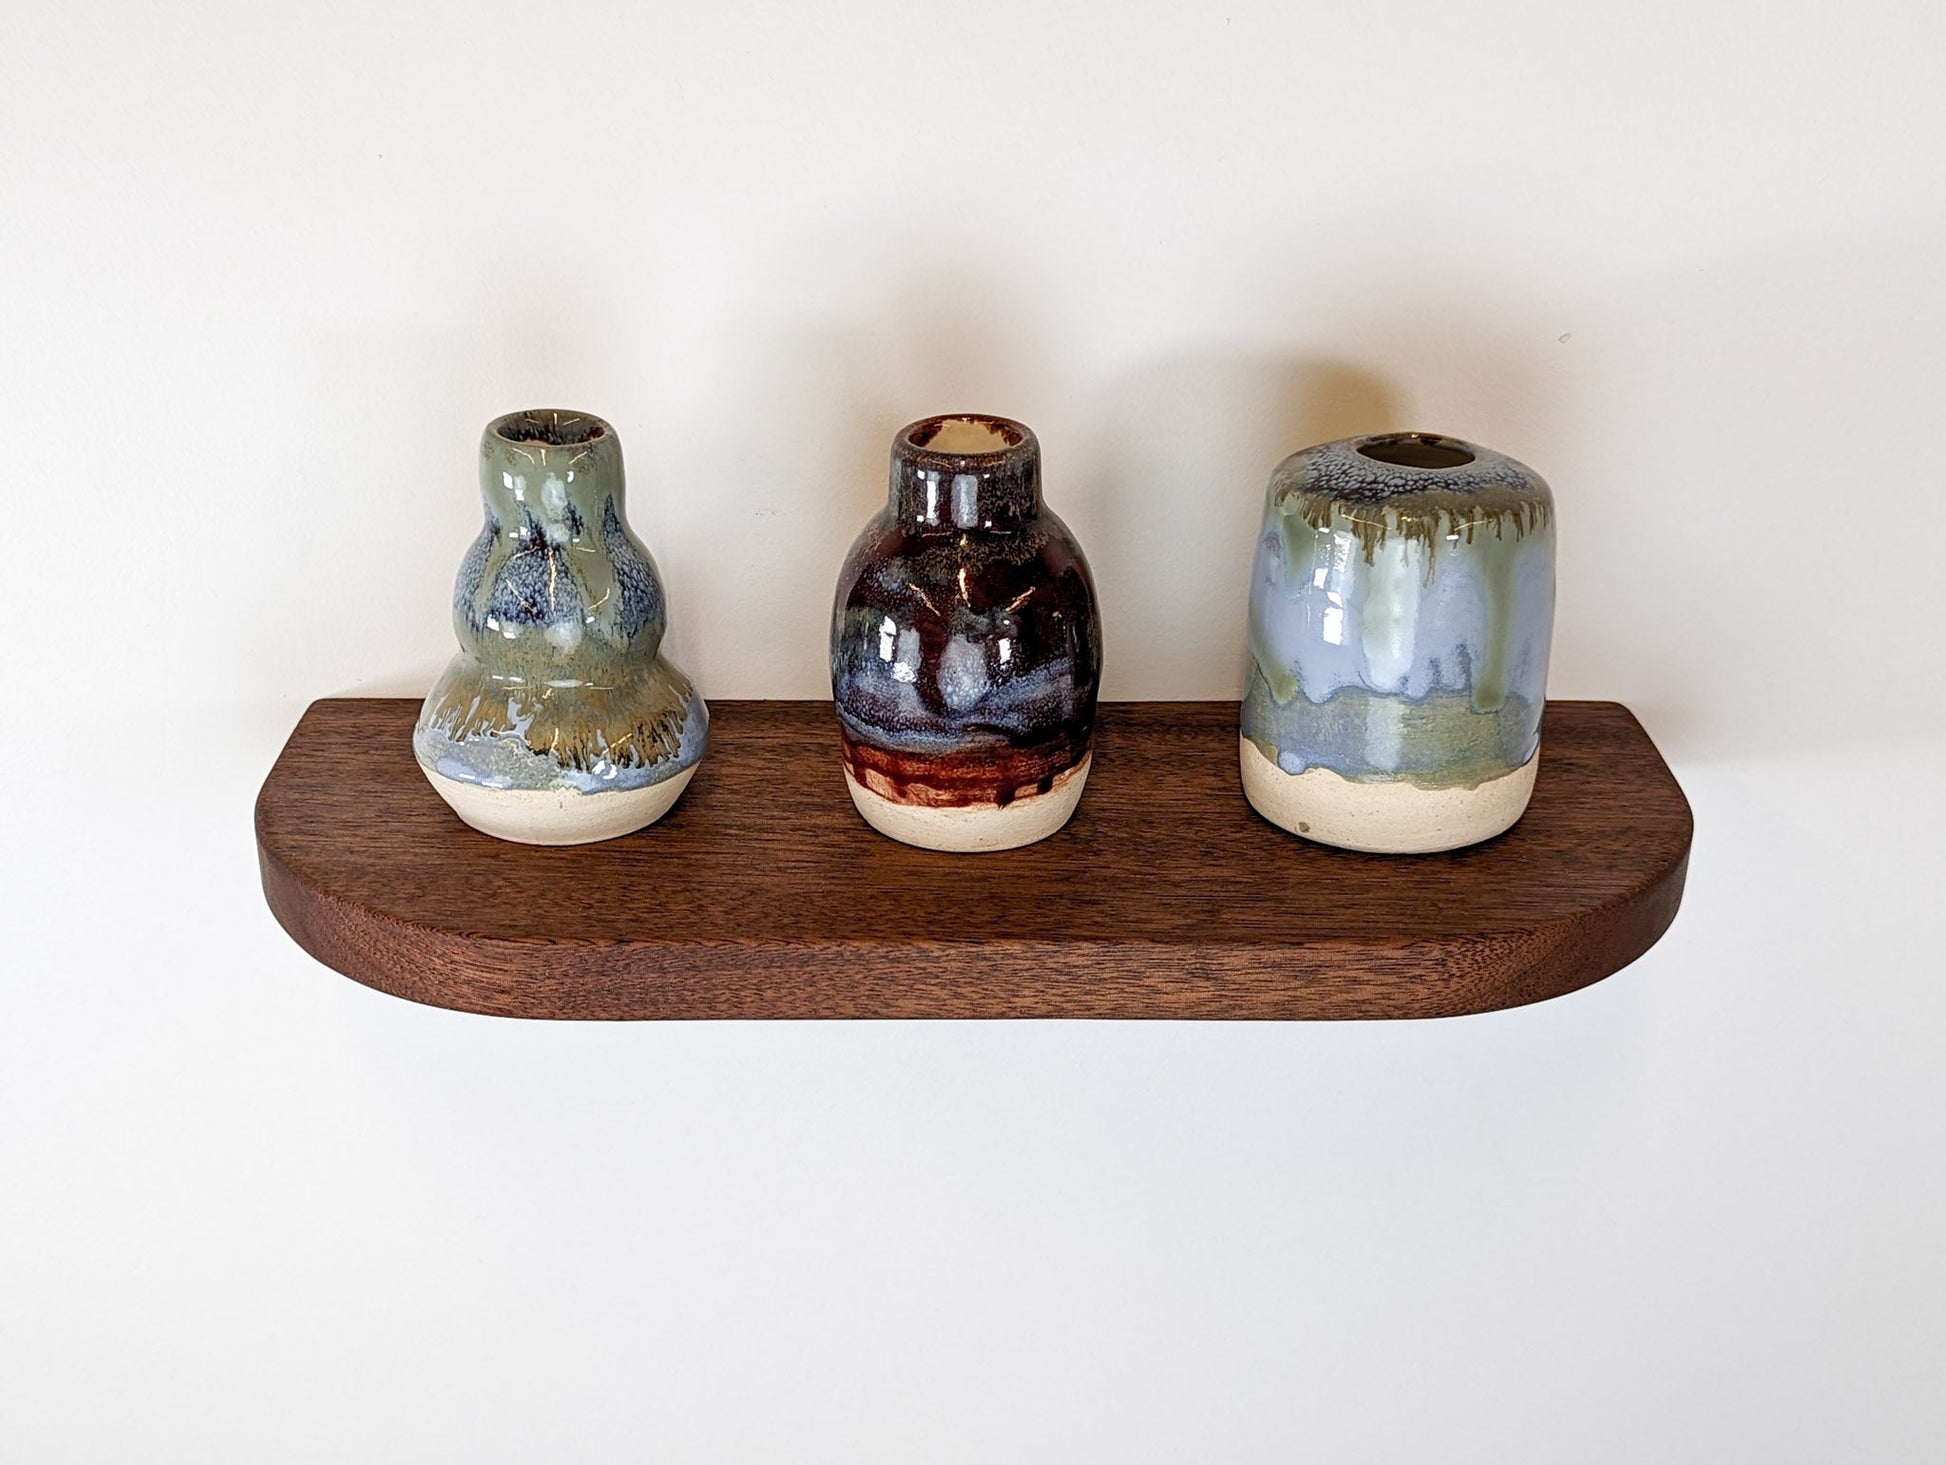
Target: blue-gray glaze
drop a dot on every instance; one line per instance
(1401, 612)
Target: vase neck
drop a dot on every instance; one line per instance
(551, 470)
(965, 471)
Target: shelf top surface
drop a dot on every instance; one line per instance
(763, 869)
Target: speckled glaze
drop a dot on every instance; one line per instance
(965, 645)
(1401, 607)
(560, 721)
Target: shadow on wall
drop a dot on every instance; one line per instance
(1694, 577)
(388, 470)
(780, 463)
(1743, 554)
(785, 453)
(1161, 477)
(1185, 456)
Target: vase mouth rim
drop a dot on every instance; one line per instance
(541, 428)
(967, 437)
(1428, 451)
(1406, 469)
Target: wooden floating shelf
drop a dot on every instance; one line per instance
(764, 895)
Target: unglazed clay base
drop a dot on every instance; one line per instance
(559, 816)
(1383, 818)
(973, 828)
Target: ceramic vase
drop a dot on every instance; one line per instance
(965, 646)
(560, 721)
(1401, 606)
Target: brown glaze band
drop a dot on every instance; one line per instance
(960, 780)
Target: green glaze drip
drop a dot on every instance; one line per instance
(1263, 745)
(1452, 745)
(1281, 679)
(1490, 522)
(636, 722)
(1432, 517)
(1494, 559)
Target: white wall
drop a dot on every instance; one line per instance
(266, 270)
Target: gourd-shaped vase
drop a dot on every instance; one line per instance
(560, 721)
(965, 646)
(1401, 607)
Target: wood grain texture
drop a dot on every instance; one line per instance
(764, 895)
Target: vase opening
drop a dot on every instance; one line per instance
(965, 437)
(551, 427)
(1416, 450)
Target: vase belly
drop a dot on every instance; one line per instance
(965, 646)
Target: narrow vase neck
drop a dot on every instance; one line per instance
(965, 471)
(551, 469)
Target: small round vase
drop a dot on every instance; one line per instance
(1401, 607)
(965, 646)
(559, 722)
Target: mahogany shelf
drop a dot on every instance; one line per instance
(764, 895)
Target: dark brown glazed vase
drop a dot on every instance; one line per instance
(966, 646)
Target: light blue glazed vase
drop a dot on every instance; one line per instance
(560, 721)
(1401, 606)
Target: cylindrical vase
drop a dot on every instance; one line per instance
(1401, 606)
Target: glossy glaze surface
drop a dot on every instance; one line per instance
(965, 644)
(560, 683)
(1401, 606)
